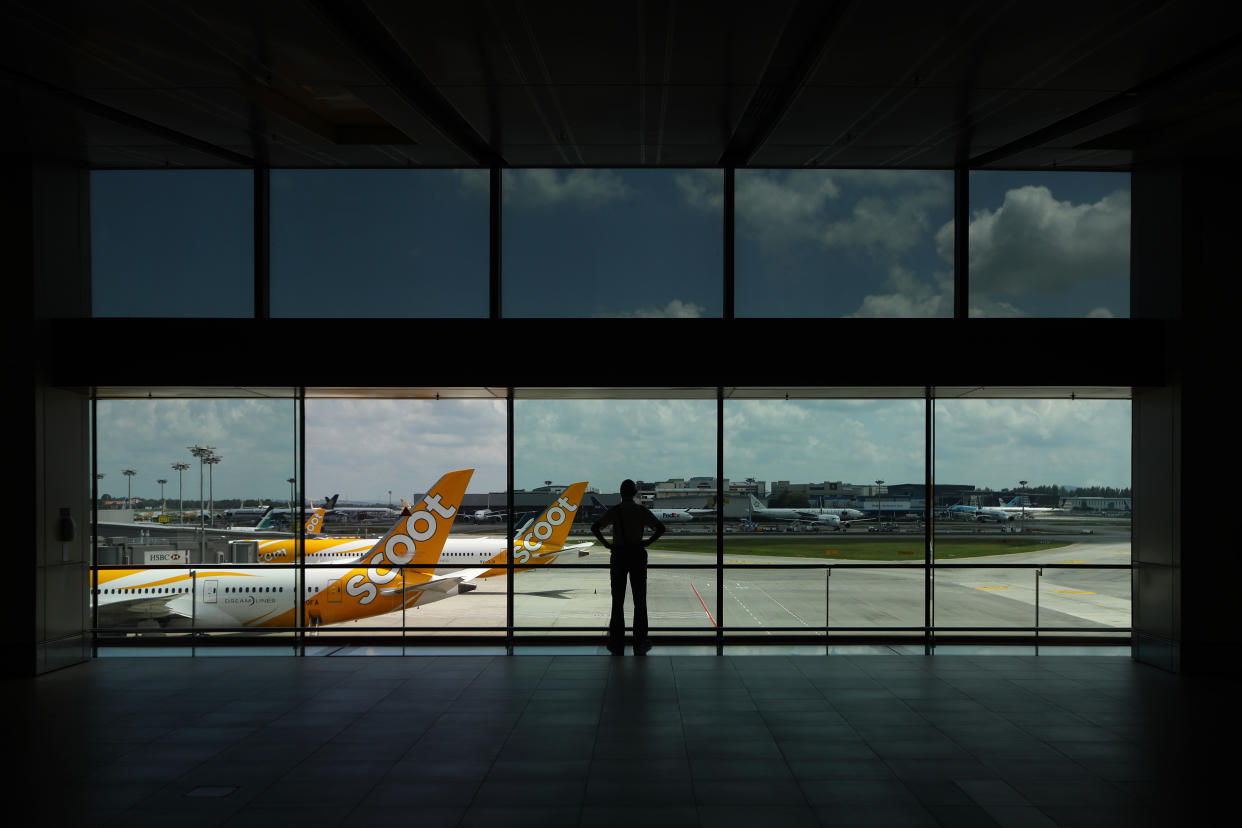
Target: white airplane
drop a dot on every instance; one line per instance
(540, 541)
(1013, 507)
(836, 518)
(667, 515)
(481, 515)
(980, 513)
(397, 572)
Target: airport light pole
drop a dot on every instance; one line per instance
(201, 452)
(1022, 483)
(211, 491)
(179, 468)
(161, 482)
(129, 479)
(291, 481)
(879, 506)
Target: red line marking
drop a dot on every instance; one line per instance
(705, 609)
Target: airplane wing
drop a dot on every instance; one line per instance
(580, 548)
(147, 607)
(440, 583)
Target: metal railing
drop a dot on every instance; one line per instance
(306, 634)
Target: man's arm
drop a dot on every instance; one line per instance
(657, 528)
(597, 527)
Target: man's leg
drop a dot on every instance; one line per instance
(638, 582)
(616, 623)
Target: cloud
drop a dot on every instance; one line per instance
(865, 210)
(996, 443)
(909, 297)
(1034, 243)
(675, 309)
(549, 188)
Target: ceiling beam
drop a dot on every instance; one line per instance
(374, 46)
(1185, 74)
(804, 38)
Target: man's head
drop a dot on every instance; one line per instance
(628, 489)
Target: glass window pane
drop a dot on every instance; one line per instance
(842, 243)
(172, 243)
(1051, 244)
(612, 243)
(1025, 485)
(661, 445)
(379, 459)
(179, 481)
(380, 243)
(812, 483)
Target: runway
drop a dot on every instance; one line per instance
(853, 596)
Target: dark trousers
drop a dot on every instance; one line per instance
(628, 562)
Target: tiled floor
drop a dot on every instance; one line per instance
(756, 741)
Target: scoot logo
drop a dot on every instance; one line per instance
(313, 524)
(399, 549)
(533, 540)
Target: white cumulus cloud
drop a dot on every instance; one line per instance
(675, 309)
(548, 188)
(1034, 243)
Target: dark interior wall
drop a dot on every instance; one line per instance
(46, 239)
(1184, 260)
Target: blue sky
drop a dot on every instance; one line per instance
(630, 243)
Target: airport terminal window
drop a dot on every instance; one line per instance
(808, 476)
(379, 243)
(179, 481)
(1050, 244)
(612, 243)
(668, 447)
(843, 243)
(378, 456)
(1041, 486)
(172, 243)
(824, 512)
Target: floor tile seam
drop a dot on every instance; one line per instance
(167, 788)
(603, 697)
(788, 767)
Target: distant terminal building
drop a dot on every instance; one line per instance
(1097, 504)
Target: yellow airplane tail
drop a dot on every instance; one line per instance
(418, 538)
(546, 535)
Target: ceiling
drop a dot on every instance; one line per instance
(787, 83)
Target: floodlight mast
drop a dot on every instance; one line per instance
(202, 453)
(129, 478)
(179, 468)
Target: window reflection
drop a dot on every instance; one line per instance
(1051, 244)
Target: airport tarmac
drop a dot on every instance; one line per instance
(576, 600)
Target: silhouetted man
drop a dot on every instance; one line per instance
(629, 558)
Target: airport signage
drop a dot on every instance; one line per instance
(154, 557)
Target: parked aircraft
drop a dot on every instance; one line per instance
(255, 598)
(1015, 508)
(979, 513)
(837, 518)
(540, 541)
(667, 515)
